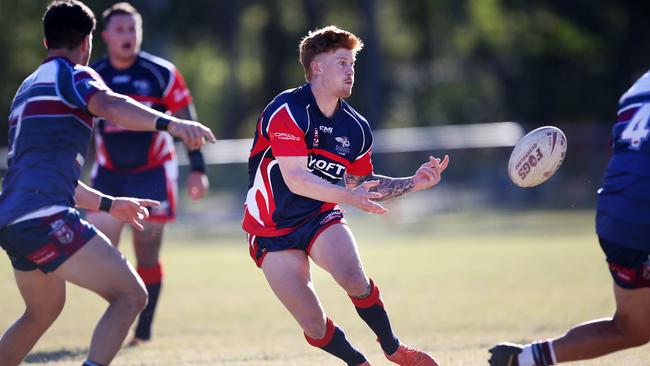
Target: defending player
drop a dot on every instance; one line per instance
(306, 140)
(141, 164)
(623, 228)
(50, 126)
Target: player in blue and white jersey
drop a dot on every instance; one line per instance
(136, 163)
(623, 228)
(50, 126)
(306, 141)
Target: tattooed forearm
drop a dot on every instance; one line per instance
(388, 187)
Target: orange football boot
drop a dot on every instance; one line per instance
(408, 356)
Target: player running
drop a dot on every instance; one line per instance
(307, 140)
(50, 126)
(623, 228)
(141, 163)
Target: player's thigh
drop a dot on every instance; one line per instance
(288, 274)
(44, 295)
(147, 243)
(107, 224)
(335, 250)
(101, 268)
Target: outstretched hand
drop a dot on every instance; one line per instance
(362, 198)
(430, 173)
(193, 134)
(132, 210)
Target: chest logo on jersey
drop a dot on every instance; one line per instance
(142, 87)
(343, 145)
(121, 79)
(331, 169)
(62, 232)
(326, 129)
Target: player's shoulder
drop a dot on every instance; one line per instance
(156, 61)
(640, 88)
(294, 103)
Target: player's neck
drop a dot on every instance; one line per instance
(327, 102)
(122, 63)
(73, 55)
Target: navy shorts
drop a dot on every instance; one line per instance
(46, 242)
(301, 238)
(630, 268)
(158, 183)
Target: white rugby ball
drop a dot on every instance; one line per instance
(537, 156)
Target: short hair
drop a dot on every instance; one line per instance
(326, 39)
(66, 23)
(122, 8)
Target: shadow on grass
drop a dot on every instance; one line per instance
(60, 355)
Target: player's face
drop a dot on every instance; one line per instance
(123, 36)
(337, 71)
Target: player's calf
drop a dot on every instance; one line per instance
(335, 343)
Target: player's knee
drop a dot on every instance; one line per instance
(356, 283)
(634, 332)
(45, 313)
(315, 327)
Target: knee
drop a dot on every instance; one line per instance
(133, 298)
(46, 313)
(356, 283)
(634, 333)
(315, 327)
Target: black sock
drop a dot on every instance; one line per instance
(143, 329)
(372, 311)
(336, 344)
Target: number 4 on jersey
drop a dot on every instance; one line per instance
(637, 130)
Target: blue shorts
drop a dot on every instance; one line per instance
(46, 242)
(158, 183)
(629, 267)
(302, 238)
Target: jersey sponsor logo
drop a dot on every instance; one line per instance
(326, 129)
(121, 79)
(142, 87)
(179, 95)
(331, 169)
(286, 136)
(61, 231)
(44, 254)
(343, 145)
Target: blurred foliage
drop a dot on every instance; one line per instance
(425, 61)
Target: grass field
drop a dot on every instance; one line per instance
(454, 285)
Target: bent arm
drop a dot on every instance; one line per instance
(388, 187)
(87, 198)
(303, 183)
(125, 111)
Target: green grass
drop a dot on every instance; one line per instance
(453, 284)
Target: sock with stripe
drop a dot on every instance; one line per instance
(335, 343)
(90, 363)
(371, 310)
(538, 354)
(152, 278)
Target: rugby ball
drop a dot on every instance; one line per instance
(537, 156)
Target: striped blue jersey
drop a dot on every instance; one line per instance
(624, 199)
(50, 128)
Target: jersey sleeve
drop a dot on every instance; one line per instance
(76, 86)
(362, 165)
(176, 96)
(285, 134)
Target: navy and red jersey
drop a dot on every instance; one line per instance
(50, 129)
(292, 125)
(624, 199)
(151, 81)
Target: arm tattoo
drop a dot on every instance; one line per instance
(388, 187)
